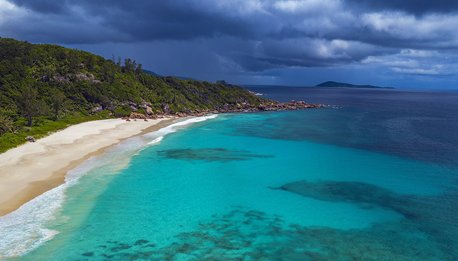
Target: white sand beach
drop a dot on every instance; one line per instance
(34, 168)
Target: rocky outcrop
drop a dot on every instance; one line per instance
(85, 77)
(268, 106)
(149, 110)
(65, 79)
(147, 107)
(242, 107)
(166, 108)
(60, 79)
(97, 109)
(30, 139)
(133, 106)
(135, 115)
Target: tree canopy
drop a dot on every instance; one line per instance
(41, 83)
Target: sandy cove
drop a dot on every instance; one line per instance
(34, 168)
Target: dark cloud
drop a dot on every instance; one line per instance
(410, 6)
(43, 6)
(142, 20)
(243, 36)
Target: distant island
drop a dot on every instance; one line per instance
(348, 85)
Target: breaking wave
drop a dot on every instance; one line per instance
(27, 228)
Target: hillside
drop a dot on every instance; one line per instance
(44, 88)
(348, 85)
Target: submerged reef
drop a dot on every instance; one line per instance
(434, 215)
(244, 234)
(428, 231)
(210, 154)
(363, 194)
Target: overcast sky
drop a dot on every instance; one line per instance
(401, 43)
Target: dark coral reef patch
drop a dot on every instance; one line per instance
(244, 234)
(435, 215)
(210, 154)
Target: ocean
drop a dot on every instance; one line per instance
(373, 176)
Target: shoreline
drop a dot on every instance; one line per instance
(32, 169)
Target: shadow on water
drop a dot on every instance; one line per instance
(210, 154)
(434, 215)
(244, 234)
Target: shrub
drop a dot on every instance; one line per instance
(122, 111)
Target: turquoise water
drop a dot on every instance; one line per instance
(374, 178)
(231, 187)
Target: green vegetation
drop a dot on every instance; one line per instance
(44, 88)
(43, 127)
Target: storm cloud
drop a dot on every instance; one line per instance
(247, 37)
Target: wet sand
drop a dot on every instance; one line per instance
(34, 168)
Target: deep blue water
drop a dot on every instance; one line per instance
(374, 177)
(415, 124)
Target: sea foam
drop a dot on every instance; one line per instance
(156, 140)
(157, 136)
(27, 228)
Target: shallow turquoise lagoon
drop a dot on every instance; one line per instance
(238, 187)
